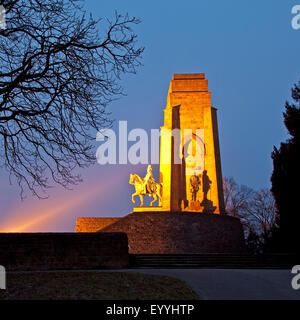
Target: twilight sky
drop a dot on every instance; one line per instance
(250, 55)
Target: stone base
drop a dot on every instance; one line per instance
(180, 233)
(148, 209)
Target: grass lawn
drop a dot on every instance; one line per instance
(93, 286)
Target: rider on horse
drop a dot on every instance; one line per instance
(149, 181)
(145, 186)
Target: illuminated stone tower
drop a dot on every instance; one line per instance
(190, 164)
(190, 180)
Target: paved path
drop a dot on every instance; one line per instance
(239, 284)
(225, 284)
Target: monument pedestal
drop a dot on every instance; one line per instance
(148, 209)
(161, 232)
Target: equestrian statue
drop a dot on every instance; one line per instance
(147, 186)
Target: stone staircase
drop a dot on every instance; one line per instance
(221, 261)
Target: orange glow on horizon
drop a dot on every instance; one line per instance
(22, 225)
(34, 215)
(33, 220)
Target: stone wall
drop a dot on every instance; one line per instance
(180, 233)
(93, 224)
(46, 251)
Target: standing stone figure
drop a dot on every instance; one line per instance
(206, 184)
(195, 185)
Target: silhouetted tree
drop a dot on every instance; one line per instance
(255, 209)
(286, 175)
(59, 68)
(237, 199)
(254, 242)
(261, 211)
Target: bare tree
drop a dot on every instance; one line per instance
(262, 211)
(255, 209)
(59, 68)
(237, 200)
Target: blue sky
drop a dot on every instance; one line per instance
(250, 55)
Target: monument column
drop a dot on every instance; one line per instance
(189, 108)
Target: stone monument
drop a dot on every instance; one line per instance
(190, 216)
(190, 164)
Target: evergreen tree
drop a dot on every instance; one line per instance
(286, 176)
